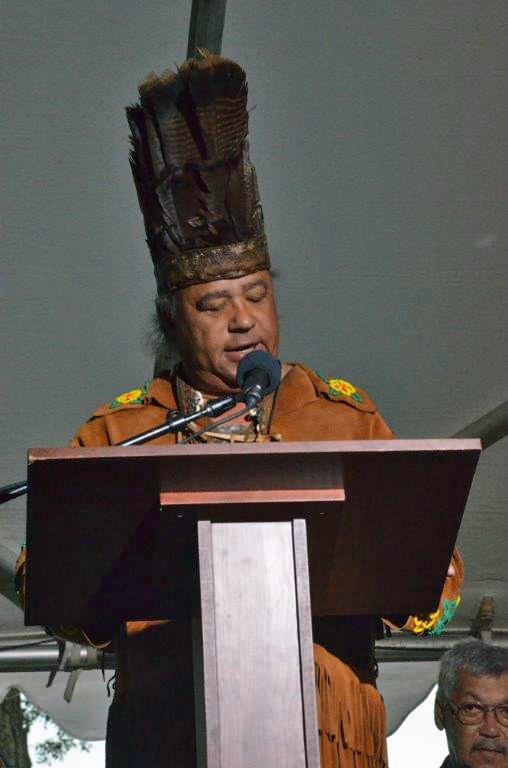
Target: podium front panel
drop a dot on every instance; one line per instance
(382, 519)
(260, 698)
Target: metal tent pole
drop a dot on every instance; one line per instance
(206, 26)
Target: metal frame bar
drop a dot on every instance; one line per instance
(206, 26)
(490, 427)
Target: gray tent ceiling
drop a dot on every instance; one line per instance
(379, 137)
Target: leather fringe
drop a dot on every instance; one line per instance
(351, 716)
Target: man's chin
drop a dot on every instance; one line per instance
(487, 758)
(212, 383)
(223, 383)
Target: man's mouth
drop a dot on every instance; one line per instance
(480, 747)
(237, 352)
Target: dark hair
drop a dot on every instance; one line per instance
(473, 656)
(161, 335)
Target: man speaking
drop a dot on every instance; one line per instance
(215, 305)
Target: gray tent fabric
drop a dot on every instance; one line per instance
(418, 680)
(379, 138)
(84, 717)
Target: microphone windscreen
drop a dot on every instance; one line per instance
(259, 360)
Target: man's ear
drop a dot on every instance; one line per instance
(439, 714)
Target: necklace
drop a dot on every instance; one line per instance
(254, 430)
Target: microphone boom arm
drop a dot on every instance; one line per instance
(173, 423)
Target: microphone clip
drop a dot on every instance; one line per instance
(253, 396)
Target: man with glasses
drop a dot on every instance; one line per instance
(472, 705)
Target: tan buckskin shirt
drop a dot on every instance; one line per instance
(154, 665)
(306, 407)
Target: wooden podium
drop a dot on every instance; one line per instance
(227, 534)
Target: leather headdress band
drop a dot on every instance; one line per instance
(205, 265)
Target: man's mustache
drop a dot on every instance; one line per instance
(489, 747)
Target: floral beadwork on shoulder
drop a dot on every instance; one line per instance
(132, 397)
(340, 387)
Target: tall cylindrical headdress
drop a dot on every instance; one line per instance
(196, 185)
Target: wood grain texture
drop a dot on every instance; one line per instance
(258, 666)
(170, 499)
(210, 694)
(320, 447)
(306, 644)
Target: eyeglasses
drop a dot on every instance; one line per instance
(474, 714)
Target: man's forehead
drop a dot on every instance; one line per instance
(492, 689)
(227, 287)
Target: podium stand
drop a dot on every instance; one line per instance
(221, 533)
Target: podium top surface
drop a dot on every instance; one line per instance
(275, 448)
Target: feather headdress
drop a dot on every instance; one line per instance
(196, 185)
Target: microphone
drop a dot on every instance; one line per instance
(258, 374)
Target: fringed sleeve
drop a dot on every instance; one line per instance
(20, 579)
(351, 716)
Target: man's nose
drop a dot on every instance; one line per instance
(489, 727)
(241, 319)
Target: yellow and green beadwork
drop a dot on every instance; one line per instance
(132, 397)
(340, 387)
(449, 610)
(434, 624)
